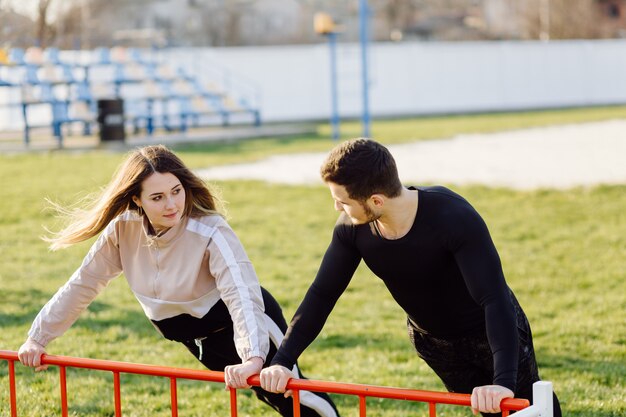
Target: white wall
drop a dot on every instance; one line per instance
(429, 77)
(415, 78)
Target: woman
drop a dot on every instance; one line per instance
(159, 225)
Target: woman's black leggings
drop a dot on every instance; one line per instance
(218, 351)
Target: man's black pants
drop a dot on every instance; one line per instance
(465, 363)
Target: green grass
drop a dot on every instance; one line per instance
(562, 251)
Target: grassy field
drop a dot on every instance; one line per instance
(562, 251)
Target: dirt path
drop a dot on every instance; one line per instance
(549, 157)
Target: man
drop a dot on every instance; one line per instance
(435, 255)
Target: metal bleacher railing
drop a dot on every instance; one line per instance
(66, 87)
(542, 390)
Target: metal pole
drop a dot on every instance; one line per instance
(363, 18)
(332, 43)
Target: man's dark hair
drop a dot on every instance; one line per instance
(364, 167)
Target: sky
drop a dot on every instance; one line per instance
(26, 7)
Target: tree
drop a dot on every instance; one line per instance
(44, 31)
(561, 19)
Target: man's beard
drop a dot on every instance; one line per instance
(369, 214)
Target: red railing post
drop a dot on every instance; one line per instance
(432, 409)
(174, 397)
(13, 396)
(296, 403)
(233, 402)
(63, 383)
(362, 406)
(116, 394)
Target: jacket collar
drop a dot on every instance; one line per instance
(166, 238)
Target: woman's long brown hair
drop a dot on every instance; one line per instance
(94, 213)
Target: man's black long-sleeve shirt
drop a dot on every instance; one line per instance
(445, 273)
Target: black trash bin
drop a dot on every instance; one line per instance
(111, 120)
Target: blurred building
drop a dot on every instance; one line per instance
(144, 23)
(613, 14)
(455, 20)
(197, 22)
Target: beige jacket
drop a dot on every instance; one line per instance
(186, 270)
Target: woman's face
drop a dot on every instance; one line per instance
(162, 198)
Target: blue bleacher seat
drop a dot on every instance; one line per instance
(16, 56)
(51, 55)
(102, 56)
(156, 94)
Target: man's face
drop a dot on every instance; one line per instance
(360, 212)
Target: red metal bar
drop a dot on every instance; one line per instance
(116, 394)
(296, 403)
(174, 397)
(124, 367)
(12, 387)
(390, 392)
(362, 406)
(233, 402)
(432, 409)
(63, 383)
(294, 384)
